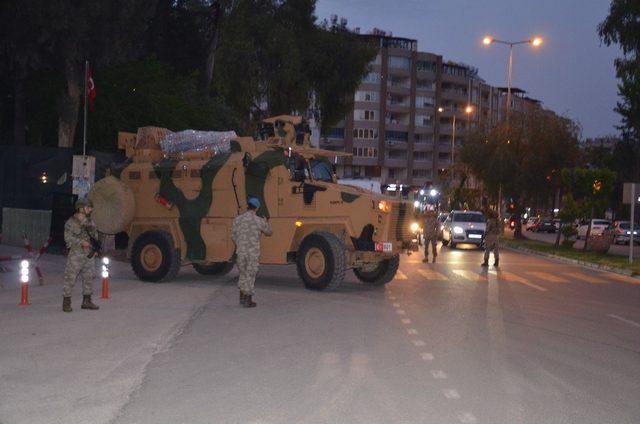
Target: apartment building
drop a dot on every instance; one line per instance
(402, 129)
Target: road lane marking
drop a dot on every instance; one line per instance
(510, 276)
(467, 418)
(547, 277)
(432, 275)
(396, 305)
(400, 311)
(418, 342)
(469, 275)
(412, 331)
(585, 277)
(392, 297)
(628, 321)
(406, 321)
(451, 394)
(439, 374)
(426, 356)
(400, 276)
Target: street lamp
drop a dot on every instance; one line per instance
(487, 41)
(468, 110)
(534, 42)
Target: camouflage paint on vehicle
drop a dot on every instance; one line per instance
(191, 211)
(348, 197)
(256, 175)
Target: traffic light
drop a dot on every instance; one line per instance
(597, 186)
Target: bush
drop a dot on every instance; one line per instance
(569, 231)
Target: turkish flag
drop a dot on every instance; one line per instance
(91, 88)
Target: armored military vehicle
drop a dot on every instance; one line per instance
(178, 207)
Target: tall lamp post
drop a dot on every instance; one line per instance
(468, 110)
(487, 41)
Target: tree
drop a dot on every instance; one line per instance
(592, 190)
(523, 155)
(622, 27)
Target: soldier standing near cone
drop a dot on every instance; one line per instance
(492, 239)
(245, 232)
(78, 231)
(430, 230)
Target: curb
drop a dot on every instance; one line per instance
(591, 265)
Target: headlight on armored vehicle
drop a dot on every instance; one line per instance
(384, 206)
(458, 230)
(415, 227)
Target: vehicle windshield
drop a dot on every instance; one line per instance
(321, 170)
(468, 217)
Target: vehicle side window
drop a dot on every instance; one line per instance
(297, 168)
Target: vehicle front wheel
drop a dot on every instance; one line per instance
(383, 273)
(215, 268)
(154, 257)
(321, 261)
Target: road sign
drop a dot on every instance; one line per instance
(628, 193)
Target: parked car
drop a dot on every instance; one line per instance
(530, 222)
(597, 227)
(544, 225)
(622, 233)
(464, 227)
(441, 218)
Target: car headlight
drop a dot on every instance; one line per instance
(415, 227)
(458, 230)
(384, 206)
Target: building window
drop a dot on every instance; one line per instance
(397, 154)
(397, 136)
(335, 133)
(364, 115)
(398, 62)
(365, 152)
(456, 71)
(422, 156)
(424, 120)
(426, 66)
(423, 138)
(424, 101)
(365, 133)
(372, 78)
(425, 84)
(366, 96)
(421, 173)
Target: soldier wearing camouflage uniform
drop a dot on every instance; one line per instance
(76, 236)
(492, 239)
(245, 232)
(430, 230)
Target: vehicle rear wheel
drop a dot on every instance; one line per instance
(154, 257)
(321, 261)
(381, 274)
(215, 268)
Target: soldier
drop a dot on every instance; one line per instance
(77, 233)
(430, 230)
(492, 239)
(245, 232)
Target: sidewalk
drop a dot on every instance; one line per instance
(82, 367)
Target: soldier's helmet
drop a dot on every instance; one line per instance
(254, 202)
(83, 203)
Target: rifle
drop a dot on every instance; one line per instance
(96, 245)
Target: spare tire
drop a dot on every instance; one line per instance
(114, 205)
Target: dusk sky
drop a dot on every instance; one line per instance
(572, 73)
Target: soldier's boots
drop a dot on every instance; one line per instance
(484, 264)
(66, 304)
(248, 303)
(426, 260)
(88, 304)
(434, 260)
(496, 263)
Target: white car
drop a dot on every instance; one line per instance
(597, 227)
(464, 227)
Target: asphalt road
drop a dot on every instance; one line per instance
(615, 249)
(532, 342)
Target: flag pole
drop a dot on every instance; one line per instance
(84, 135)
